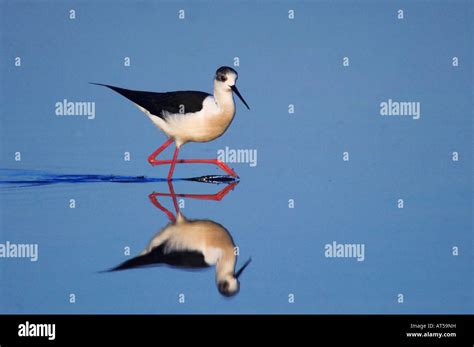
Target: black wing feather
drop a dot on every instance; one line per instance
(160, 104)
(184, 259)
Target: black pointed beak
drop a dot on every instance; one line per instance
(238, 273)
(236, 91)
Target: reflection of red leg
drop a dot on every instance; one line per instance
(155, 202)
(217, 196)
(173, 163)
(152, 157)
(173, 195)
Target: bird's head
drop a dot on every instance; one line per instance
(229, 284)
(226, 79)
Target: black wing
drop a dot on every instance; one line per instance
(161, 104)
(184, 259)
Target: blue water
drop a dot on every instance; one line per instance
(407, 251)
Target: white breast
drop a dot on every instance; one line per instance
(212, 255)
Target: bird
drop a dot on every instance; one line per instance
(189, 116)
(191, 244)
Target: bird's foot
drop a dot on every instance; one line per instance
(152, 162)
(226, 168)
(155, 162)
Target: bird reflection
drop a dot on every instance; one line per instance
(192, 244)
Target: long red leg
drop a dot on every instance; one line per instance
(152, 157)
(153, 161)
(173, 163)
(217, 162)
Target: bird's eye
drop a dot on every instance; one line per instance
(223, 287)
(222, 78)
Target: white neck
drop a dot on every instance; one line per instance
(226, 264)
(223, 96)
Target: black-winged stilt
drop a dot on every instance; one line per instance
(189, 116)
(192, 244)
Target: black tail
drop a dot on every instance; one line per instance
(122, 91)
(153, 258)
(131, 263)
(148, 100)
(157, 256)
(159, 104)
